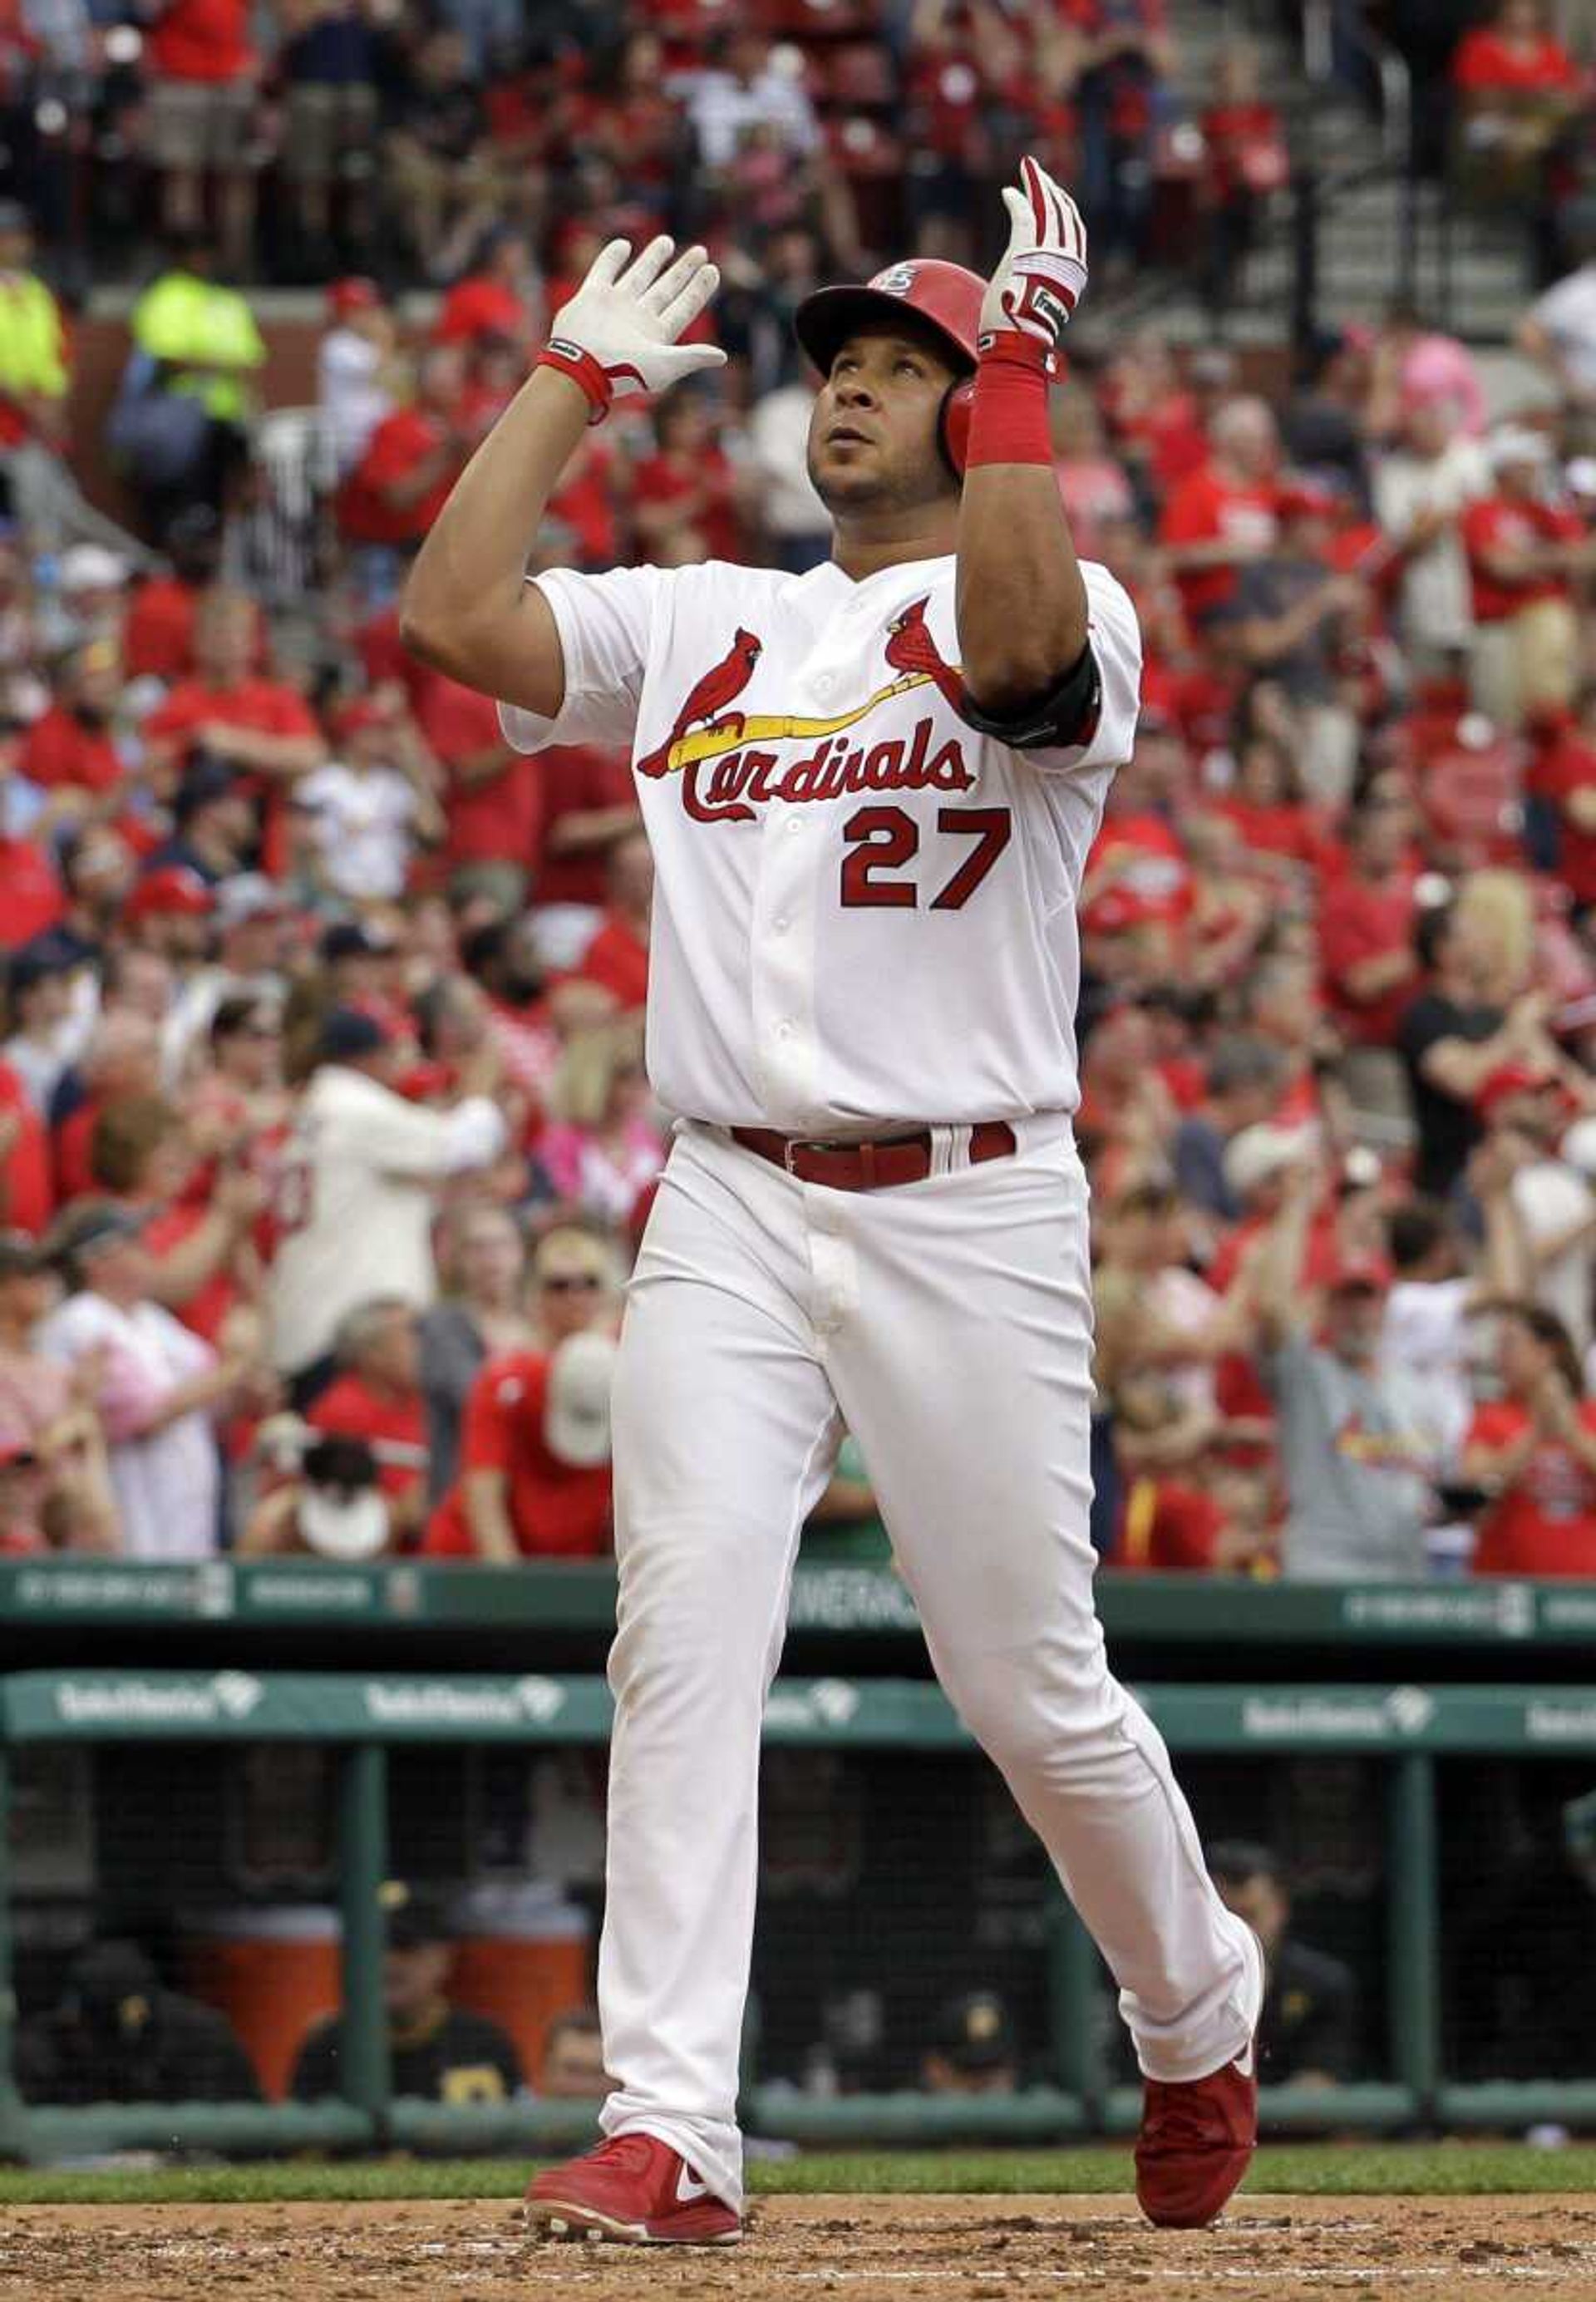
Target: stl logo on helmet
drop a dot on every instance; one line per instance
(727, 772)
(897, 278)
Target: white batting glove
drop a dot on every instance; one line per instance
(1043, 274)
(618, 332)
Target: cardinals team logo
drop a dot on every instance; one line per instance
(718, 748)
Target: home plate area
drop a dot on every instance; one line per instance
(860, 2249)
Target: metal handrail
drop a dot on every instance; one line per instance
(1389, 66)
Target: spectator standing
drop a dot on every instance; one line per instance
(181, 423)
(411, 461)
(1524, 553)
(1517, 87)
(1369, 967)
(796, 524)
(34, 373)
(617, 957)
(328, 65)
(354, 363)
(204, 79)
(1535, 1450)
(590, 804)
(575, 1285)
(1422, 488)
(602, 1151)
(686, 493)
(46, 1024)
(366, 811)
(1241, 1088)
(493, 798)
(159, 1389)
(45, 1417)
(261, 727)
(1248, 161)
(441, 161)
(483, 1316)
(1125, 53)
(1357, 1445)
(1222, 517)
(1524, 1110)
(1559, 331)
(1456, 1034)
(361, 1172)
(1439, 1290)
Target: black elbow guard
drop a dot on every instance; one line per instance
(1065, 717)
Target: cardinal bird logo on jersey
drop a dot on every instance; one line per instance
(707, 697)
(911, 648)
(726, 771)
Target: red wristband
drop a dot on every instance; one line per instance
(1008, 420)
(585, 371)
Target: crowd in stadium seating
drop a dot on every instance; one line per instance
(263, 877)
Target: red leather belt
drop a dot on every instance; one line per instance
(868, 1166)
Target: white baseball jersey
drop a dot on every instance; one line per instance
(357, 1200)
(864, 910)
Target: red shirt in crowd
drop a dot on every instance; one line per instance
(585, 503)
(1247, 148)
(556, 1509)
(157, 636)
(266, 707)
(481, 307)
(1495, 525)
(201, 39)
(59, 752)
(1545, 1522)
(27, 1189)
(207, 1310)
(500, 817)
(577, 779)
(1357, 921)
(1156, 882)
(1206, 510)
(1485, 59)
(1167, 1527)
(396, 451)
(75, 1177)
(30, 896)
(1566, 767)
(350, 1408)
(619, 961)
(667, 480)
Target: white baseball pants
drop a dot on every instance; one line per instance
(948, 1324)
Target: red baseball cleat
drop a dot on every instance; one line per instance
(1196, 2140)
(635, 2190)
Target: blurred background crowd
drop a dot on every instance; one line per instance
(325, 1136)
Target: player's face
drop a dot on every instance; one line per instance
(872, 435)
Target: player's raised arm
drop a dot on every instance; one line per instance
(1021, 600)
(467, 609)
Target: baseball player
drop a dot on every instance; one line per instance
(871, 791)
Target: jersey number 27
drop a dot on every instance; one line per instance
(881, 841)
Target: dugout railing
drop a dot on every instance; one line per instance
(1402, 1732)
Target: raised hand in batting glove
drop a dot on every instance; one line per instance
(1043, 274)
(618, 332)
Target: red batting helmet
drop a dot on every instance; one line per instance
(947, 300)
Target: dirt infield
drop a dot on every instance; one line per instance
(897, 2250)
